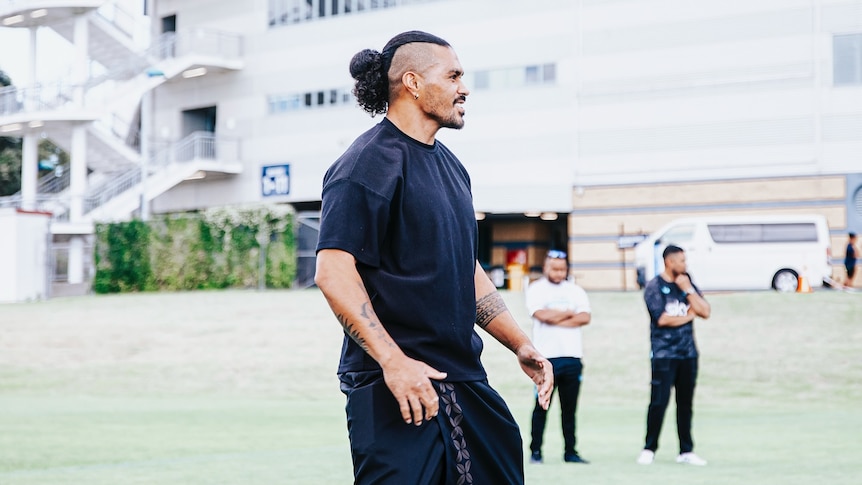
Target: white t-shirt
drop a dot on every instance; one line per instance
(552, 340)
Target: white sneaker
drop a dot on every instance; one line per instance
(690, 459)
(646, 457)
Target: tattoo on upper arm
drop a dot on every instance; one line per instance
(488, 307)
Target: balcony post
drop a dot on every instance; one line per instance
(81, 72)
(29, 170)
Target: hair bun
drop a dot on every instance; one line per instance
(364, 61)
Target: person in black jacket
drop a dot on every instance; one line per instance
(673, 302)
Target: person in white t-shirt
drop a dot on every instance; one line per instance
(559, 309)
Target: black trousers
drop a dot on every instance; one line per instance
(680, 374)
(473, 439)
(567, 380)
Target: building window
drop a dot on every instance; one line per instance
(283, 103)
(515, 77)
(847, 59)
(763, 233)
(857, 201)
(286, 12)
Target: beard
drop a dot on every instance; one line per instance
(454, 121)
(447, 116)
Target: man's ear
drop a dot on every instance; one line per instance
(411, 81)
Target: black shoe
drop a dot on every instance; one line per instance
(536, 457)
(574, 458)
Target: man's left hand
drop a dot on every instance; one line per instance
(540, 371)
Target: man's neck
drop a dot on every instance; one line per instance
(413, 123)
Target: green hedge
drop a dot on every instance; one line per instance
(218, 248)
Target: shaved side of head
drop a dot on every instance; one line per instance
(415, 57)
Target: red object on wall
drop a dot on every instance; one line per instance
(516, 256)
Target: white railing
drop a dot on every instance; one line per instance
(170, 45)
(37, 98)
(195, 147)
(200, 145)
(206, 42)
(121, 129)
(53, 182)
(45, 203)
(114, 187)
(119, 17)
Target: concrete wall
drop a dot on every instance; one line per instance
(522, 134)
(23, 255)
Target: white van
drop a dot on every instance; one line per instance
(743, 252)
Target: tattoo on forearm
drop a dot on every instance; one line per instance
(351, 329)
(488, 307)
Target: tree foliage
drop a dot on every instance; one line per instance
(10, 155)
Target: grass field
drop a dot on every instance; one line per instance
(239, 388)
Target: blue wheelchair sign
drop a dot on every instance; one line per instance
(275, 180)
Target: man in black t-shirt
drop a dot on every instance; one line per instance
(397, 263)
(673, 301)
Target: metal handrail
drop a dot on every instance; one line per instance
(52, 183)
(170, 45)
(40, 97)
(119, 17)
(44, 203)
(197, 146)
(118, 185)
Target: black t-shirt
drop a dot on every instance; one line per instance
(850, 255)
(404, 210)
(669, 342)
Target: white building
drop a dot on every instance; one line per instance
(587, 120)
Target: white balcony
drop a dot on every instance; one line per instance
(33, 13)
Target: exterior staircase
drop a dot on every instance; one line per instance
(109, 103)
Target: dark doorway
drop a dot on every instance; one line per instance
(200, 119)
(169, 24)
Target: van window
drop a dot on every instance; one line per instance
(763, 233)
(678, 234)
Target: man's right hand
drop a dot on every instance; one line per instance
(409, 380)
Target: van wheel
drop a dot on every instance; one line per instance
(785, 281)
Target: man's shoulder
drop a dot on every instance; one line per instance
(654, 286)
(371, 157)
(538, 284)
(653, 283)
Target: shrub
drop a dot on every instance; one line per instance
(217, 248)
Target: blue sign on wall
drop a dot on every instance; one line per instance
(275, 180)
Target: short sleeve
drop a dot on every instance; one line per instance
(354, 219)
(533, 298)
(654, 301)
(582, 301)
